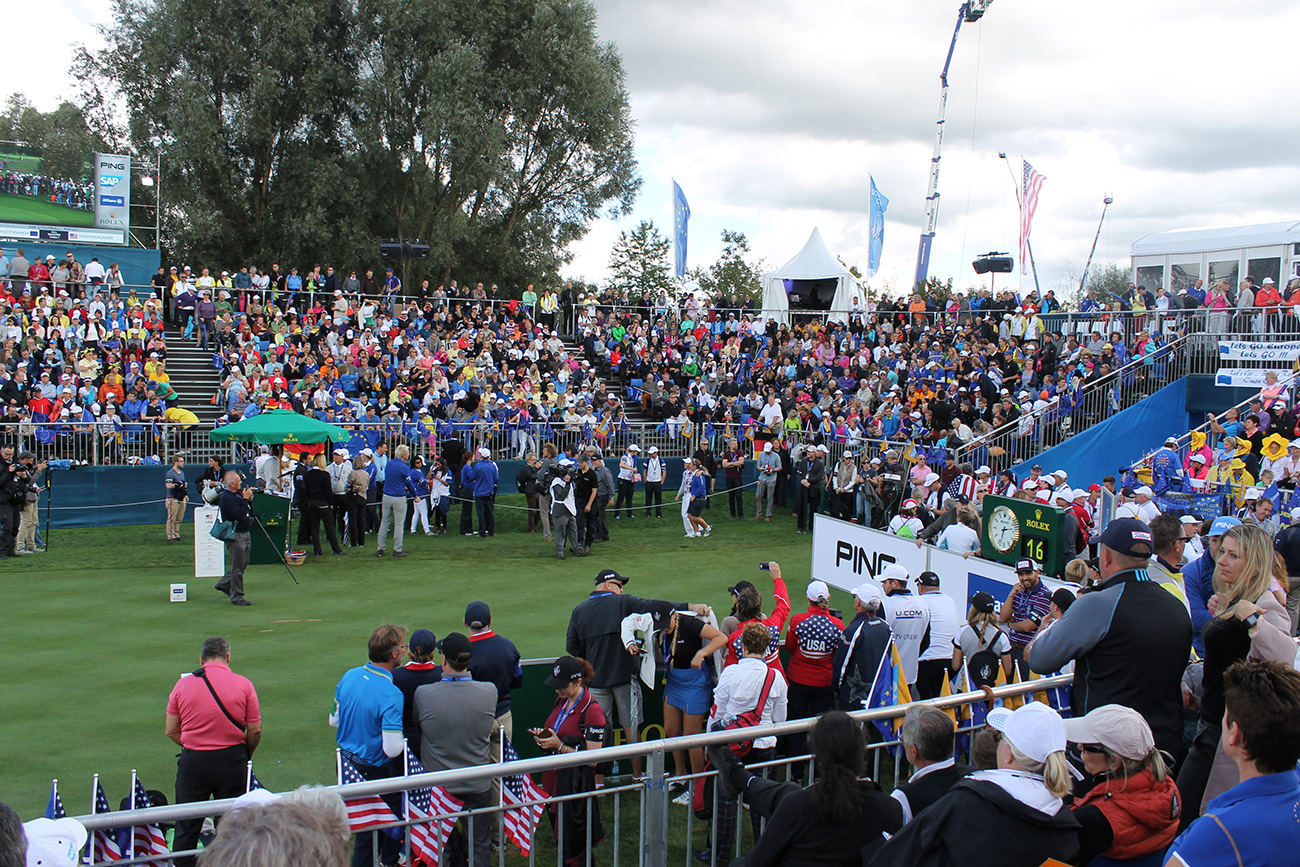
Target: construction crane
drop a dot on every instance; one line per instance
(970, 12)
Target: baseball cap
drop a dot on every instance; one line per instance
(1144, 489)
(1063, 597)
(477, 615)
(634, 448)
(1200, 459)
(931, 478)
(54, 842)
(1172, 441)
(610, 575)
(895, 572)
(654, 450)
(818, 591)
(767, 446)
(983, 471)
(1119, 729)
(422, 641)
(565, 671)
(928, 579)
(983, 602)
(1128, 536)
(368, 452)
(485, 452)
(1043, 496)
(1026, 565)
(455, 645)
(1223, 525)
(1034, 729)
(735, 589)
(868, 593)
(909, 504)
(340, 451)
(1190, 519)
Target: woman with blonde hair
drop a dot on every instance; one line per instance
(1247, 622)
(1013, 815)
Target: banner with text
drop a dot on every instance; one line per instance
(848, 555)
(112, 191)
(1252, 350)
(1240, 377)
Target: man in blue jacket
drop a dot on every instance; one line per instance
(1254, 822)
(1198, 579)
(399, 483)
(485, 476)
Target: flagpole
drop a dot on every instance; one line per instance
(406, 799)
(338, 764)
(94, 791)
(248, 777)
(133, 827)
(879, 668)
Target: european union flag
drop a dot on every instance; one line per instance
(681, 216)
(879, 204)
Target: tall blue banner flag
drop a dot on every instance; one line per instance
(879, 204)
(681, 215)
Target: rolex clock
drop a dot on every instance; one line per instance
(1014, 529)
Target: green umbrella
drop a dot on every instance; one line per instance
(280, 427)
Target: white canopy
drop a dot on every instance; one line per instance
(1215, 238)
(813, 262)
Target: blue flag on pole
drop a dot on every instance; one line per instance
(681, 215)
(879, 204)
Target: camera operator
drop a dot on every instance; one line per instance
(564, 510)
(15, 478)
(176, 496)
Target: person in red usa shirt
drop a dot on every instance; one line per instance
(749, 607)
(811, 640)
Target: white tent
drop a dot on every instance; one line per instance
(813, 262)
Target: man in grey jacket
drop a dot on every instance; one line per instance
(456, 717)
(769, 466)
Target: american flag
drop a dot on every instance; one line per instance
(1030, 187)
(962, 486)
(367, 811)
(54, 809)
(520, 820)
(429, 838)
(253, 781)
(147, 839)
(817, 637)
(104, 842)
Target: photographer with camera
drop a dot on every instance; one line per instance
(564, 510)
(176, 497)
(15, 477)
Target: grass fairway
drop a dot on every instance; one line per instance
(92, 647)
(29, 209)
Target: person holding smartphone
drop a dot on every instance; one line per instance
(575, 723)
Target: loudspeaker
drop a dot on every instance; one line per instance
(992, 263)
(417, 250)
(391, 250)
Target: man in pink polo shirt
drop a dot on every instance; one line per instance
(214, 716)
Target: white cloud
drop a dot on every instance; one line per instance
(772, 114)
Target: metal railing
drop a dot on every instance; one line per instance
(659, 837)
(1036, 431)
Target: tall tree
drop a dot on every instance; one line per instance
(496, 131)
(733, 275)
(639, 261)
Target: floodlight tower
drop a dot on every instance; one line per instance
(970, 12)
(1105, 203)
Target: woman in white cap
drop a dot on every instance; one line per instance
(1133, 811)
(1012, 816)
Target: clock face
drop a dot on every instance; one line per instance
(1004, 529)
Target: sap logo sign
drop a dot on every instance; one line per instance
(112, 201)
(109, 180)
(855, 558)
(120, 167)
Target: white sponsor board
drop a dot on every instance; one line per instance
(1240, 377)
(848, 555)
(1251, 350)
(209, 553)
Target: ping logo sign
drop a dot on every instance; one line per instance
(856, 558)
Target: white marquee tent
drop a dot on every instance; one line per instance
(813, 262)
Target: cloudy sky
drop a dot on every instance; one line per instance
(772, 114)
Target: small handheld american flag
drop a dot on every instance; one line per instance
(367, 811)
(104, 842)
(520, 818)
(429, 837)
(147, 840)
